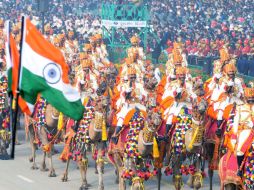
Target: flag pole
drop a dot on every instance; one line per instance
(15, 101)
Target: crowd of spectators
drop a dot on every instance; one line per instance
(205, 25)
(202, 25)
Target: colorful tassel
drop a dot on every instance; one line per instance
(156, 153)
(60, 122)
(104, 131)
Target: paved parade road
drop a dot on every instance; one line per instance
(17, 175)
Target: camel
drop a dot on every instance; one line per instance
(214, 132)
(186, 140)
(176, 157)
(47, 134)
(90, 130)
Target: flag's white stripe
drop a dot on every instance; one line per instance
(36, 63)
(23, 37)
(30, 107)
(7, 46)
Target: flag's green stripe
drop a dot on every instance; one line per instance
(9, 74)
(32, 85)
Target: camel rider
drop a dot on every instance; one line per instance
(134, 97)
(137, 49)
(177, 49)
(177, 95)
(59, 43)
(92, 41)
(71, 47)
(225, 58)
(94, 56)
(88, 51)
(242, 128)
(101, 50)
(47, 35)
(71, 44)
(131, 62)
(231, 88)
(175, 60)
(212, 85)
(86, 81)
(150, 84)
(135, 45)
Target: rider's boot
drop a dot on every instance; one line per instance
(239, 162)
(168, 127)
(218, 130)
(115, 137)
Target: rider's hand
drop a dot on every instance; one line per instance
(82, 82)
(129, 89)
(179, 90)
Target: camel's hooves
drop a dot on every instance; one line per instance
(34, 167)
(31, 159)
(197, 186)
(52, 174)
(101, 188)
(44, 169)
(64, 179)
(85, 187)
(190, 182)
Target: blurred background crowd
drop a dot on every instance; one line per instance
(203, 26)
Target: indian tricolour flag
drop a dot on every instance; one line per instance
(12, 60)
(44, 71)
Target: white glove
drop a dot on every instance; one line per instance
(179, 90)
(82, 82)
(218, 75)
(231, 83)
(140, 97)
(128, 90)
(90, 90)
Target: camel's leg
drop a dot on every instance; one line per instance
(198, 179)
(44, 139)
(34, 166)
(83, 169)
(100, 165)
(65, 175)
(119, 166)
(117, 175)
(210, 151)
(96, 167)
(122, 184)
(177, 178)
(159, 178)
(33, 147)
(43, 163)
(52, 172)
(190, 181)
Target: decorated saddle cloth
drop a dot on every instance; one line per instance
(183, 124)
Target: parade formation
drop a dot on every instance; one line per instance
(147, 120)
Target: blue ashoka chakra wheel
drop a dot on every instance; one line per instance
(52, 73)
